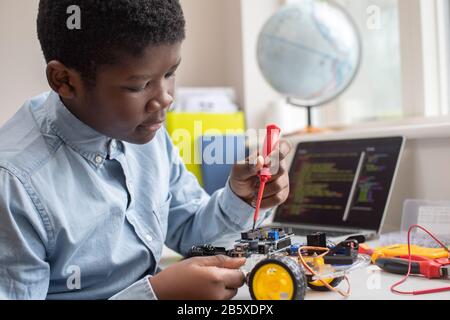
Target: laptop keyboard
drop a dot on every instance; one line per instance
(305, 232)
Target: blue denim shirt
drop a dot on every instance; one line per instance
(83, 216)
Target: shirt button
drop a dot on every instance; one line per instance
(98, 159)
(149, 237)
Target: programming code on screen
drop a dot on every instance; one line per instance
(339, 183)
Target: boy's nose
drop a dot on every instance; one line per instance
(162, 101)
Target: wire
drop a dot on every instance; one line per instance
(307, 267)
(410, 265)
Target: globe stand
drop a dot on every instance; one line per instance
(309, 128)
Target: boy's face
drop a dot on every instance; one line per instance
(130, 99)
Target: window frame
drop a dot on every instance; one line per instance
(435, 31)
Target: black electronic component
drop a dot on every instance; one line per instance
(263, 248)
(237, 254)
(344, 253)
(206, 250)
(360, 238)
(253, 245)
(250, 235)
(240, 250)
(241, 246)
(283, 243)
(318, 239)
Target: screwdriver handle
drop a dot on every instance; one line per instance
(270, 142)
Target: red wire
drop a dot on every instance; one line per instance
(410, 264)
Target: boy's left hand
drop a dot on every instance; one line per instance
(244, 180)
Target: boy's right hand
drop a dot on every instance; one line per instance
(200, 278)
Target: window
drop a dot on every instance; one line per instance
(405, 68)
(436, 56)
(376, 90)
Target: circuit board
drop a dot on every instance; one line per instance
(262, 241)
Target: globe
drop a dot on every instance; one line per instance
(309, 51)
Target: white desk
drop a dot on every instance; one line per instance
(366, 284)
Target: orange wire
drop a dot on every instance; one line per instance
(307, 267)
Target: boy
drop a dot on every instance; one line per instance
(91, 186)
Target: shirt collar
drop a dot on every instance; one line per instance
(89, 143)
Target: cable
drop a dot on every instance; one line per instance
(307, 267)
(410, 265)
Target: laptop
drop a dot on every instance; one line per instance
(341, 187)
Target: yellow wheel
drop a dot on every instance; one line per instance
(317, 285)
(277, 278)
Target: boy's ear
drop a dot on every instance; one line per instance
(66, 82)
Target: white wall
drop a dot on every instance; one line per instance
(21, 61)
(212, 51)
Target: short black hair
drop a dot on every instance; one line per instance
(108, 29)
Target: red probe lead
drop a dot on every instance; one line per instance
(410, 261)
(272, 137)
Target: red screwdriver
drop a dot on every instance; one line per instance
(272, 137)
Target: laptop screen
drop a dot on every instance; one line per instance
(341, 183)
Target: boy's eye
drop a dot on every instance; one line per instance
(135, 89)
(138, 89)
(170, 74)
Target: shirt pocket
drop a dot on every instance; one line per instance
(162, 214)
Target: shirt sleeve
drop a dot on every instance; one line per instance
(24, 272)
(140, 290)
(196, 218)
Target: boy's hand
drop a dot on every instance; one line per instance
(200, 278)
(244, 180)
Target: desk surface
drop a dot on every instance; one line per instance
(369, 283)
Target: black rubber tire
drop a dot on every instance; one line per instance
(291, 266)
(334, 283)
